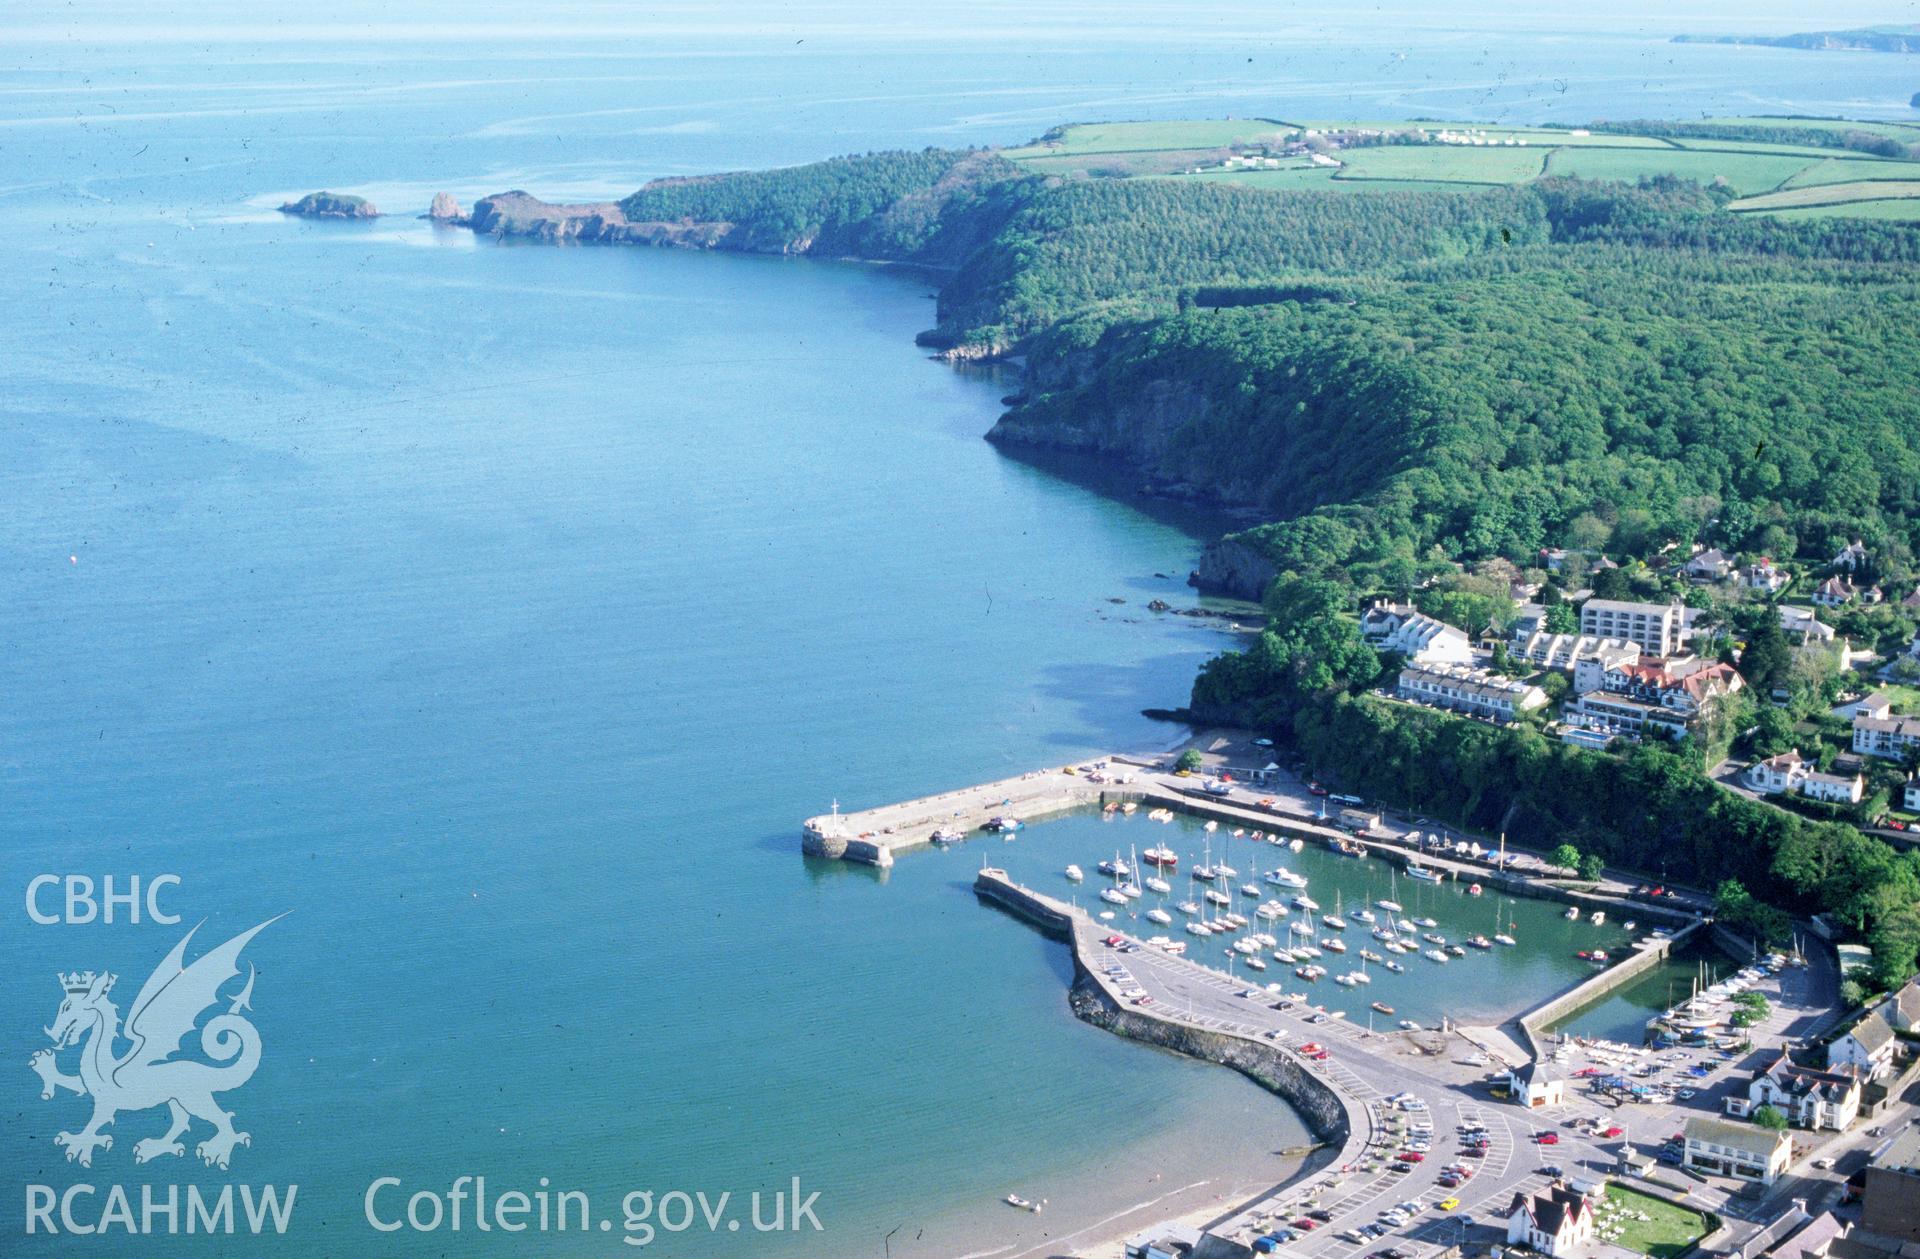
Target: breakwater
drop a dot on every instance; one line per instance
(1333, 1118)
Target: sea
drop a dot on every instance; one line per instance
(485, 617)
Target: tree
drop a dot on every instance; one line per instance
(1769, 1117)
(1767, 662)
(1562, 619)
(1612, 583)
(1592, 867)
(1190, 760)
(1566, 856)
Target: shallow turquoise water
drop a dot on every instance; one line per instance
(499, 611)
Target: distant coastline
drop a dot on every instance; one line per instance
(1863, 39)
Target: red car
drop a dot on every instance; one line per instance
(1613, 1132)
(1548, 1138)
(1314, 1050)
(1306, 1225)
(1475, 1151)
(1114, 941)
(1411, 1156)
(1316, 789)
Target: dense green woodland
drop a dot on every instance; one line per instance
(1399, 378)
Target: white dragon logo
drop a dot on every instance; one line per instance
(147, 1075)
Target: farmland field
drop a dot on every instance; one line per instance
(1748, 173)
(1446, 163)
(1847, 183)
(1904, 211)
(1830, 194)
(1850, 170)
(1122, 137)
(1896, 130)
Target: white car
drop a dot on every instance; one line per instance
(1824, 1164)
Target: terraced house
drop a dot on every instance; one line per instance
(1476, 692)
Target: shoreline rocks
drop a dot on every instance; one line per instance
(445, 210)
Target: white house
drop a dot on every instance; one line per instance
(1423, 640)
(1657, 627)
(1709, 565)
(1835, 592)
(1804, 624)
(1477, 692)
(1555, 1223)
(1867, 1046)
(1910, 796)
(1886, 737)
(1382, 617)
(1852, 556)
(1743, 1150)
(1810, 1098)
(1789, 774)
(1537, 1084)
(1766, 576)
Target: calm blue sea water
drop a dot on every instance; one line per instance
(497, 612)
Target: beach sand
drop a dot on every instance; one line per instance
(1194, 1172)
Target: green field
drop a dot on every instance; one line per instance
(1748, 173)
(1831, 195)
(1905, 211)
(1853, 183)
(1667, 1230)
(1754, 146)
(1897, 130)
(1849, 170)
(1124, 137)
(1126, 163)
(1444, 163)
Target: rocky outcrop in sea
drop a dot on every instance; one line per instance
(331, 205)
